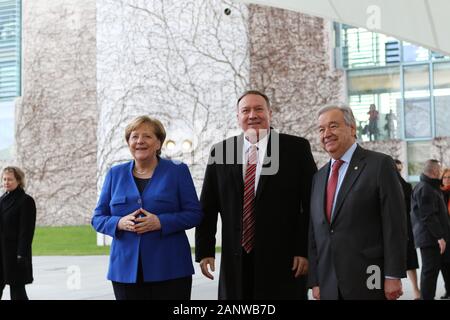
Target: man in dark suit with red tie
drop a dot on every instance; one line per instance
(358, 237)
(260, 183)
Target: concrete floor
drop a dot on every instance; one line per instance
(84, 278)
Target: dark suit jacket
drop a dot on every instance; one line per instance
(17, 223)
(429, 213)
(368, 228)
(281, 212)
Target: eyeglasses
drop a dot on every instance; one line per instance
(447, 177)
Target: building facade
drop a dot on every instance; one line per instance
(409, 87)
(10, 72)
(89, 67)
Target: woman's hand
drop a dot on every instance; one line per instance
(149, 222)
(127, 223)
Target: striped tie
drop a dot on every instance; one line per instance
(248, 217)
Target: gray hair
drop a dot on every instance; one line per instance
(349, 118)
(431, 167)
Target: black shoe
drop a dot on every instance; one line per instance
(446, 296)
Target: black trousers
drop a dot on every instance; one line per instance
(17, 292)
(445, 269)
(173, 289)
(431, 263)
(248, 273)
(248, 280)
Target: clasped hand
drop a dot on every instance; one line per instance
(139, 221)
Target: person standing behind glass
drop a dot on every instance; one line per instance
(373, 122)
(146, 205)
(17, 223)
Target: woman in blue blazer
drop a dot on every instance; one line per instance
(146, 205)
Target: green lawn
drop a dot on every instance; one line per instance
(67, 241)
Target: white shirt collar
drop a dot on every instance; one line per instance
(261, 144)
(347, 156)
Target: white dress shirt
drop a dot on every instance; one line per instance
(261, 146)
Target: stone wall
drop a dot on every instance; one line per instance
(395, 148)
(184, 62)
(56, 120)
(291, 60)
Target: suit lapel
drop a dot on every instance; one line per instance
(354, 169)
(266, 164)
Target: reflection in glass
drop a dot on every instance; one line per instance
(417, 118)
(380, 88)
(417, 102)
(418, 153)
(441, 95)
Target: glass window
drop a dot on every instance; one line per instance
(9, 49)
(412, 52)
(362, 48)
(418, 153)
(375, 66)
(6, 129)
(438, 56)
(380, 88)
(441, 95)
(417, 107)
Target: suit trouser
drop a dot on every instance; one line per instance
(17, 292)
(445, 269)
(248, 274)
(431, 263)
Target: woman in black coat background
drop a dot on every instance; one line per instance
(17, 223)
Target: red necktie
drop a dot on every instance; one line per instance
(248, 217)
(331, 187)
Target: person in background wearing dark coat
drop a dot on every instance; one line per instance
(17, 223)
(430, 225)
(260, 184)
(445, 267)
(412, 262)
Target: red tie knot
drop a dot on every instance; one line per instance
(337, 164)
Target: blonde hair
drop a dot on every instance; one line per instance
(156, 125)
(18, 174)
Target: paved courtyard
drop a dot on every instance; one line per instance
(84, 278)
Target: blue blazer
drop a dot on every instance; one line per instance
(170, 194)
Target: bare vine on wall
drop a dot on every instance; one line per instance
(56, 117)
(184, 62)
